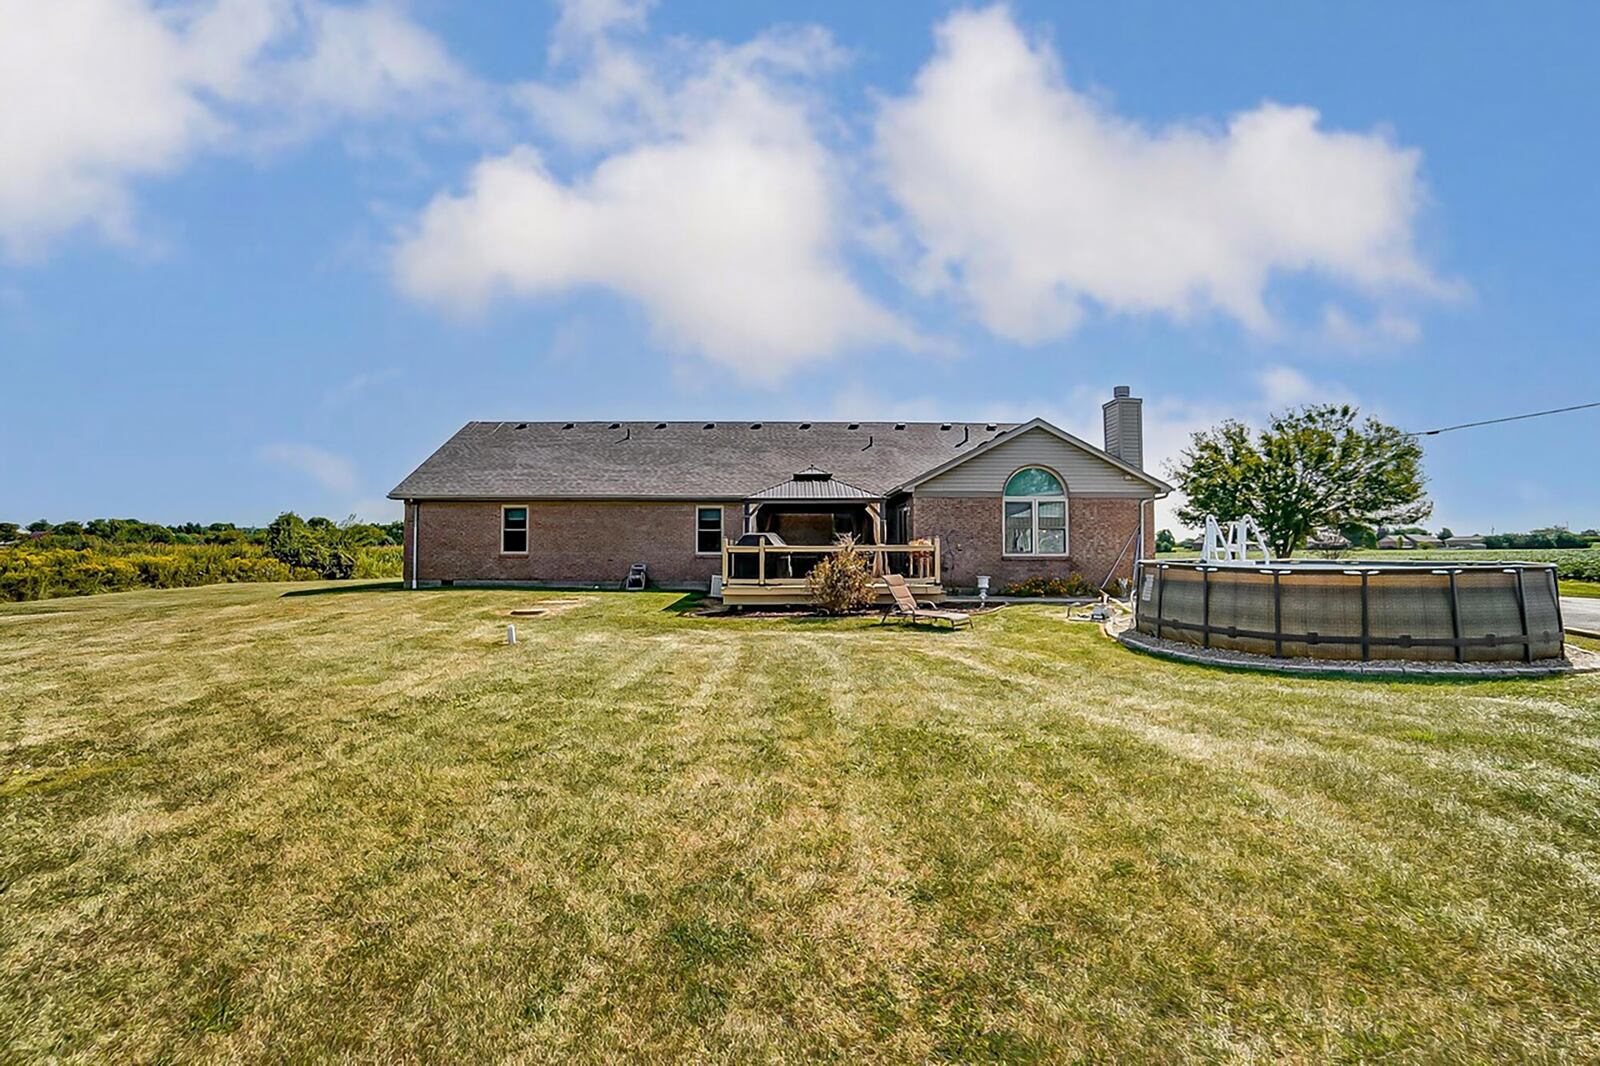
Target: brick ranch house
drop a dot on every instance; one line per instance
(576, 503)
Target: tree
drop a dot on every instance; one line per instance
(1165, 542)
(9, 531)
(1446, 533)
(320, 546)
(1312, 467)
(39, 526)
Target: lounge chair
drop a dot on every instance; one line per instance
(905, 606)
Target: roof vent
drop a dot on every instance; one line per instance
(755, 425)
(615, 425)
(899, 425)
(944, 426)
(991, 427)
(522, 425)
(855, 425)
(805, 425)
(567, 426)
(709, 425)
(661, 425)
(813, 473)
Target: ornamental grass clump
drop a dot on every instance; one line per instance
(841, 582)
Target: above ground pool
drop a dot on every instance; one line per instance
(1461, 612)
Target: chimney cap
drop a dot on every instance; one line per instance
(1121, 392)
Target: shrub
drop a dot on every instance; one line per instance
(84, 564)
(318, 545)
(1071, 587)
(841, 582)
(378, 561)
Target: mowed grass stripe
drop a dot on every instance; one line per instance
(356, 824)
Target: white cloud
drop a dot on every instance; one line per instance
(583, 23)
(719, 209)
(367, 61)
(1034, 200)
(356, 386)
(1386, 329)
(1283, 387)
(333, 472)
(98, 94)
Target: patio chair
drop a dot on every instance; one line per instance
(906, 607)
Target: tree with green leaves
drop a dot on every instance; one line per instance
(1312, 468)
(1165, 541)
(317, 544)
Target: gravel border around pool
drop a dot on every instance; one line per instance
(1578, 660)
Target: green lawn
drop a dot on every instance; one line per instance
(240, 824)
(1589, 590)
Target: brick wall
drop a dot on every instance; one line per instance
(568, 542)
(968, 528)
(595, 542)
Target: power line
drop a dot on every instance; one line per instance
(1508, 418)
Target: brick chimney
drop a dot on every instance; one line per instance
(1124, 416)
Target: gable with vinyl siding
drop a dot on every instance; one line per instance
(1085, 473)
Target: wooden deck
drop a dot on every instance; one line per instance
(767, 575)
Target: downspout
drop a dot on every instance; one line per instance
(1137, 533)
(416, 541)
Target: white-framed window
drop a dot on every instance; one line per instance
(708, 529)
(514, 529)
(1034, 516)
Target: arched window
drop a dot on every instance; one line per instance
(1035, 513)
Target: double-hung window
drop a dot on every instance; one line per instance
(513, 531)
(1035, 510)
(708, 530)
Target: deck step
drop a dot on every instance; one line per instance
(737, 595)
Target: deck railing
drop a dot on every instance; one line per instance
(770, 564)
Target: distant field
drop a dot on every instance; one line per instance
(1573, 563)
(328, 823)
(31, 572)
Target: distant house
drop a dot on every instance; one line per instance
(1328, 540)
(1408, 541)
(946, 502)
(1466, 543)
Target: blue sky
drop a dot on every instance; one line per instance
(267, 254)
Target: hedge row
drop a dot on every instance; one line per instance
(28, 573)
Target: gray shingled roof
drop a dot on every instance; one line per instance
(814, 484)
(681, 460)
